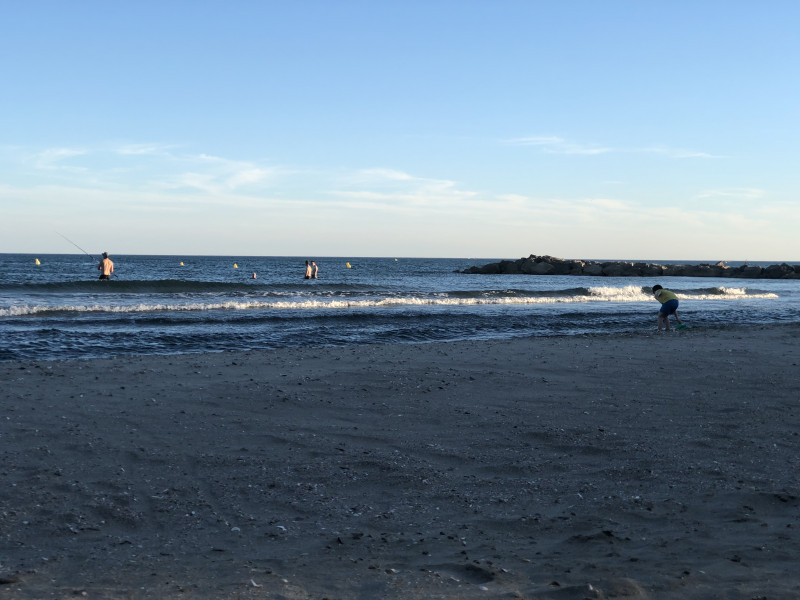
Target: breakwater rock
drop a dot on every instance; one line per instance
(550, 265)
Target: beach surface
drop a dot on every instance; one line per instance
(606, 466)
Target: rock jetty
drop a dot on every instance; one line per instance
(550, 265)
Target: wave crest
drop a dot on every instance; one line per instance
(610, 294)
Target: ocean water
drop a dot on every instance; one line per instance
(188, 304)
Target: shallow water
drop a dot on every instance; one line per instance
(156, 305)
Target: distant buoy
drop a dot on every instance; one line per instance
(181, 263)
(235, 266)
(395, 260)
(348, 265)
(37, 262)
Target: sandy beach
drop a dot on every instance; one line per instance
(609, 466)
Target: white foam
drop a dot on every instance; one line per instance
(733, 291)
(623, 294)
(628, 293)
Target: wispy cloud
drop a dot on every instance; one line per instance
(223, 174)
(365, 176)
(566, 209)
(53, 158)
(733, 193)
(610, 204)
(537, 140)
(144, 150)
(558, 145)
(382, 186)
(676, 152)
(161, 171)
(235, 177)
(153, 166)
(245, 176)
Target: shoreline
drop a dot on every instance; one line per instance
(626, 465)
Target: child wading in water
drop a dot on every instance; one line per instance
(669, 306)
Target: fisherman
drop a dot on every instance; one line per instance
(106, 267)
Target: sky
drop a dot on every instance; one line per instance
(609, 129)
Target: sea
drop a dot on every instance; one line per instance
(53, 306)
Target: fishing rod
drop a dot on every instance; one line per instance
(76, 245)
(90, 256)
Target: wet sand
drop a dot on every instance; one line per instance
(624, 466)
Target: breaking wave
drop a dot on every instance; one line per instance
(329, 299)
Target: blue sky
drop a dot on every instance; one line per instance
(581, 129)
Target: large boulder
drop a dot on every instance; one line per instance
(618, 269)
(509, 267)
(649, 269)
(703, 270)
(490, 269)
(594, 269)
(675, 270)
(526, 266)
(630, 270)
(781, 271)
(575, 267)
(543, 268)
(560, 267)
(748, 272)
(542, 265)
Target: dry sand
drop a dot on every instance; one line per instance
(622, 466)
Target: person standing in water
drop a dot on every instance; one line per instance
(308, 271)
(106, 267)
(314, 270)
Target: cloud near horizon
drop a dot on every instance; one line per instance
(162, 194)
